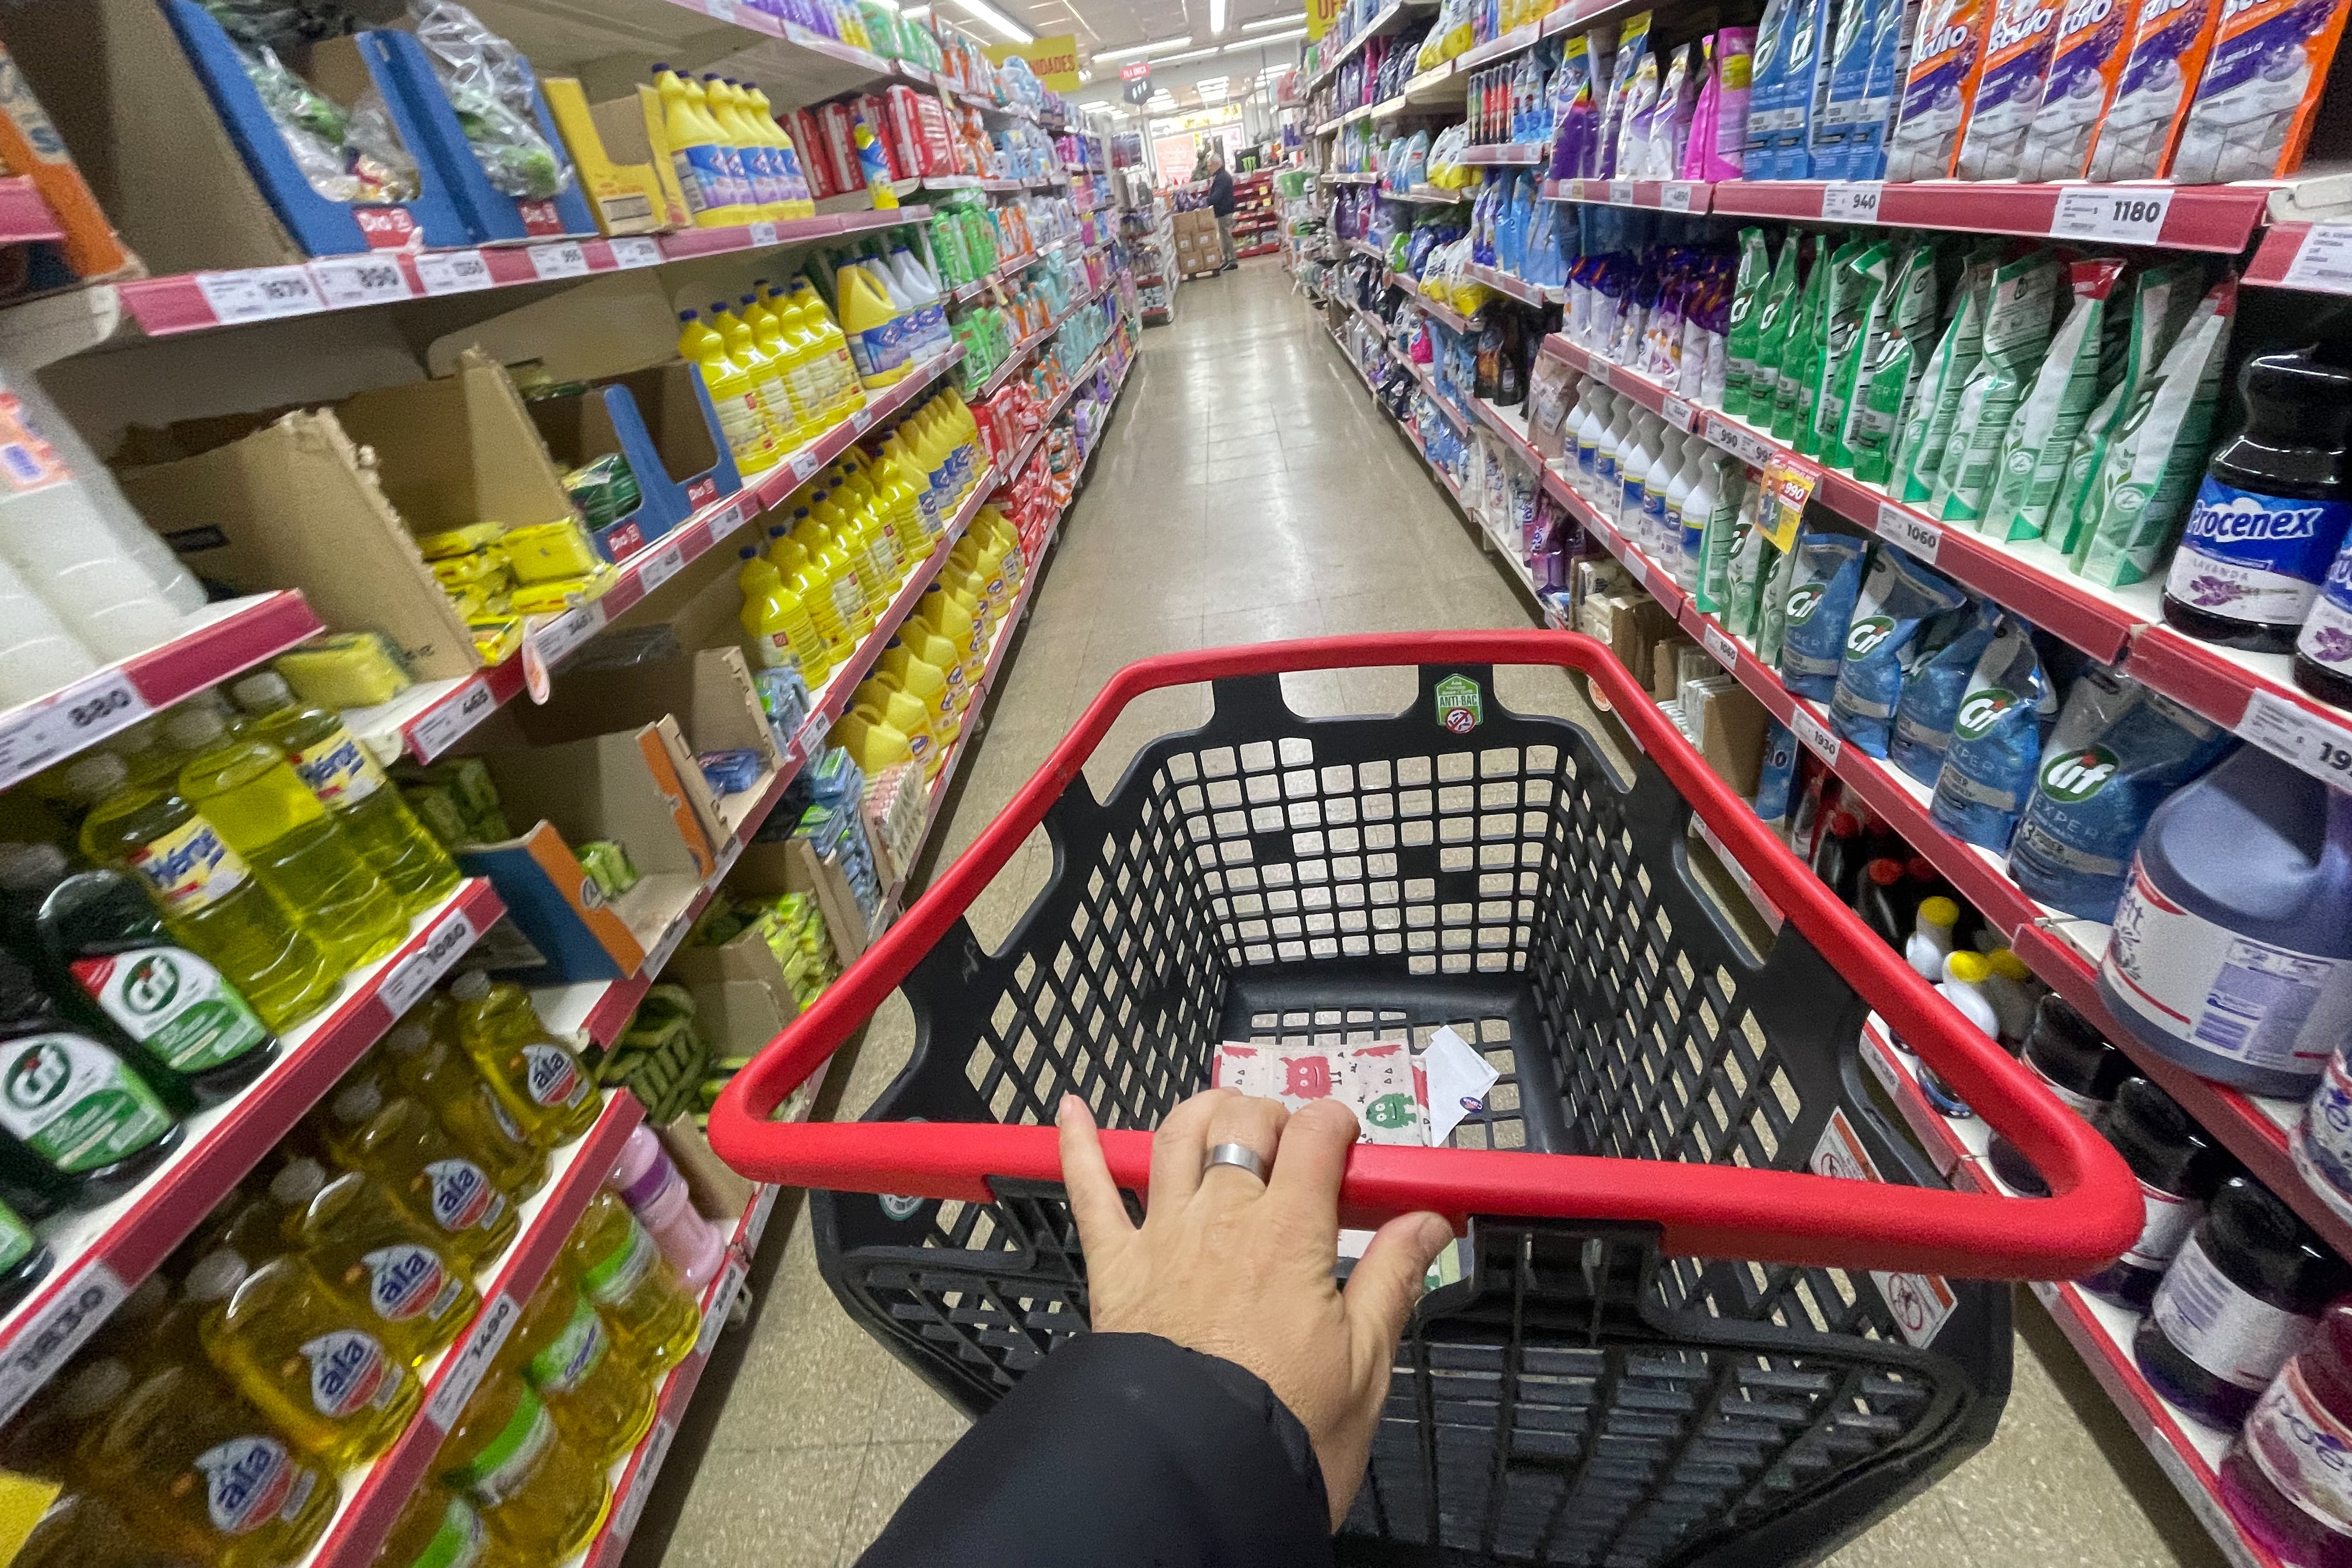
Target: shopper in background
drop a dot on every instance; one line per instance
(1221, 202)
(1222, 1410)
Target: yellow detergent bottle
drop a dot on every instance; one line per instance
(808, 315)
(267, 815)
(601, 1405)
(438, 1528)
(540, 1080)
(304, 1356)
(809, 398)
(978, 565)
(368, 1249)
(349, 785)
(946, 611)
(698, 156)
(745, 207)
(874, 543)
(785, 422)
(777, 623)
(539, 1494)
(203, 1474)
(876, 345)
(429, 1066)
(849, 596)
(397, 1141)
(921, 678)
(872, 741)
(902, 502)
(621, 1267)
(750, 149)
(905, 712)
(797, 204)
(743, 420)
(212, 903)
(804, 573)
(926, 642)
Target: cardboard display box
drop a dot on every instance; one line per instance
(623, 167)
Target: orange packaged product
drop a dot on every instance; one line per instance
(2170, 41)
(1947, 59)
(2084, 66)
(2251, 115)
(30, 145)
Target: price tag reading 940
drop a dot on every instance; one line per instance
(562, 261)
(1815, 734)
(1719, 643)
(2120, 215)
(348, 282)
(2320, 746)
(259, 294)
(1899, 525)
(453, 272)
(1851, 201)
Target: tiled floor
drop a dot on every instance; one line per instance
(1251, 491)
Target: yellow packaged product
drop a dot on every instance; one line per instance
(463, 541)
(547, 551)
(496, 638)
(345, 670)
(563, 593)
(484, 569)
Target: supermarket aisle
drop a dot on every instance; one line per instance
(1250, 491)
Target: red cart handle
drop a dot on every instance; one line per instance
(2093, 1212)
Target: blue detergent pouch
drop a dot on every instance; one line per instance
(1865, 137)
(1804, 84)
(1851, 45)
(1820, 602)
(1996, 746)
(1778, 773)
(1931, 695)
(1899, 596)
(2118, 752)
(1760, 156)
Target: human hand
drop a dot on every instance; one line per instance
(1233, 1266)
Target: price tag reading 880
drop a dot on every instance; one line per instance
(345, 281)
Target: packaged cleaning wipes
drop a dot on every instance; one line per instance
(1820, 606)
(1895, 345)
(2084, 61)
(2008, 90)
(1947, 55)
(1931, 695)
(1855, 290)
(2141, 488)
(2016, 334)
(1899, 596)
(1996, 746)
(2119, 751)
(1934, 403)
(2170, 41)
(2033, 453)
(2260, 91)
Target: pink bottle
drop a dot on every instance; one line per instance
(2285, 1481)
(649, 1184)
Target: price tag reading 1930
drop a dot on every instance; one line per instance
(2320, 746)
(2120, 215)
(1815, 734)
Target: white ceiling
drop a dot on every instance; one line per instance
(1104, 25)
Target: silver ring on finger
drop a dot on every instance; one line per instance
(1239, 1155)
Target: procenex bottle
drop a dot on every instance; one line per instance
(601, 1405)
(78, 1126)
(267, 815)
(349, 785)
(538, 1493)
(211, 900)
(2285, 1480)
(620, 1266)
(2178, 1168)
(2243, 1295)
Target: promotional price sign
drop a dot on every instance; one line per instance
(1054, 62)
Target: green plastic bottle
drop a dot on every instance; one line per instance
(213, 904)
(266, 813)
(349, 785)
(76, 1121)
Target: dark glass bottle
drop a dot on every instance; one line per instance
(2272, 510)
(2243, 1295)
(1838, 860)
(2077, 1065)
(2178, 1167)
(1887, 902)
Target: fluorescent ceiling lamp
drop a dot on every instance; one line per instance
(1006, 27)
(1137, 51)
(1262, 43)
(916, 13)
(1195, 54)
(1094, 103)
(1262, 23)
(1209, 81)
(1216, 17)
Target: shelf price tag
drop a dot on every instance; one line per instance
(1815, 734)
(1720, 644)
(764, 232)
(2119, 215)
(259, 294)
(439, 727)
(632, 1507)
(1676, 412)
(638, 251)
(1597, 368)
(1675, 196)
(1637, 565)
(472, 1360)
(406, 983)
(719, 10)
(1852, 201)
(56, 1329)
(1738, 440)
(722, 1302)
(82, 715)
(755, 1224)
(1621, 193)
(2324, 260)
(453, 272)
(1899, 525)
(661, 566)
(563, 260)
(347, 281)
(2294, 733)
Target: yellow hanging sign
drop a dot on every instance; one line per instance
(1055, 60)
(1320, 14)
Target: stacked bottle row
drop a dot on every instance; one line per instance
(892, 308)
(778, 372)
(735, 164)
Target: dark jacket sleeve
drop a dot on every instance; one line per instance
(1221, 194)
(1121, 1450)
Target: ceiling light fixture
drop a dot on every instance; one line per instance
(1137, 51)
(1216, 17)
(1195, 54)
(1011, 30)
(1271, 38)
(1262, 23)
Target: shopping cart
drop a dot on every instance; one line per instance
(1673, 1342)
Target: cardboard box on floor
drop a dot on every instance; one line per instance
(330, 501)
(628, 787)
(1730, 724)
(709, 693)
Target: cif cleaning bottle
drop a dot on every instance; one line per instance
(369, 1248)
(537, 1078)
(101, 929)
(620, 1266)
(303, 1355)
(742, 418)
(429, 1066)
(398, 1141)
(268, 815)
(539, 1494)
(77, 1125)
(211, 900)
(601, 1405)
(207, 1476)
(438, 1528)
(350, 785)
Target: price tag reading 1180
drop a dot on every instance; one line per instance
(2120, 215)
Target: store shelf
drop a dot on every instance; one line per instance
(1519, 40)
(1432, 85)
(1389, 19)
(430, 718)
(1509, 153)
(225, 640)
(24, 216)
(1664, 196)
(1012, 470)
(2313, 256)
(1019, 358)
(2187, 1451)
(374, 1495)
(1452, 319)
(102, 1253)
(1365, 178)
(1513, 288)
(2252, 694)
(2191, 218)
(1428, 195)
